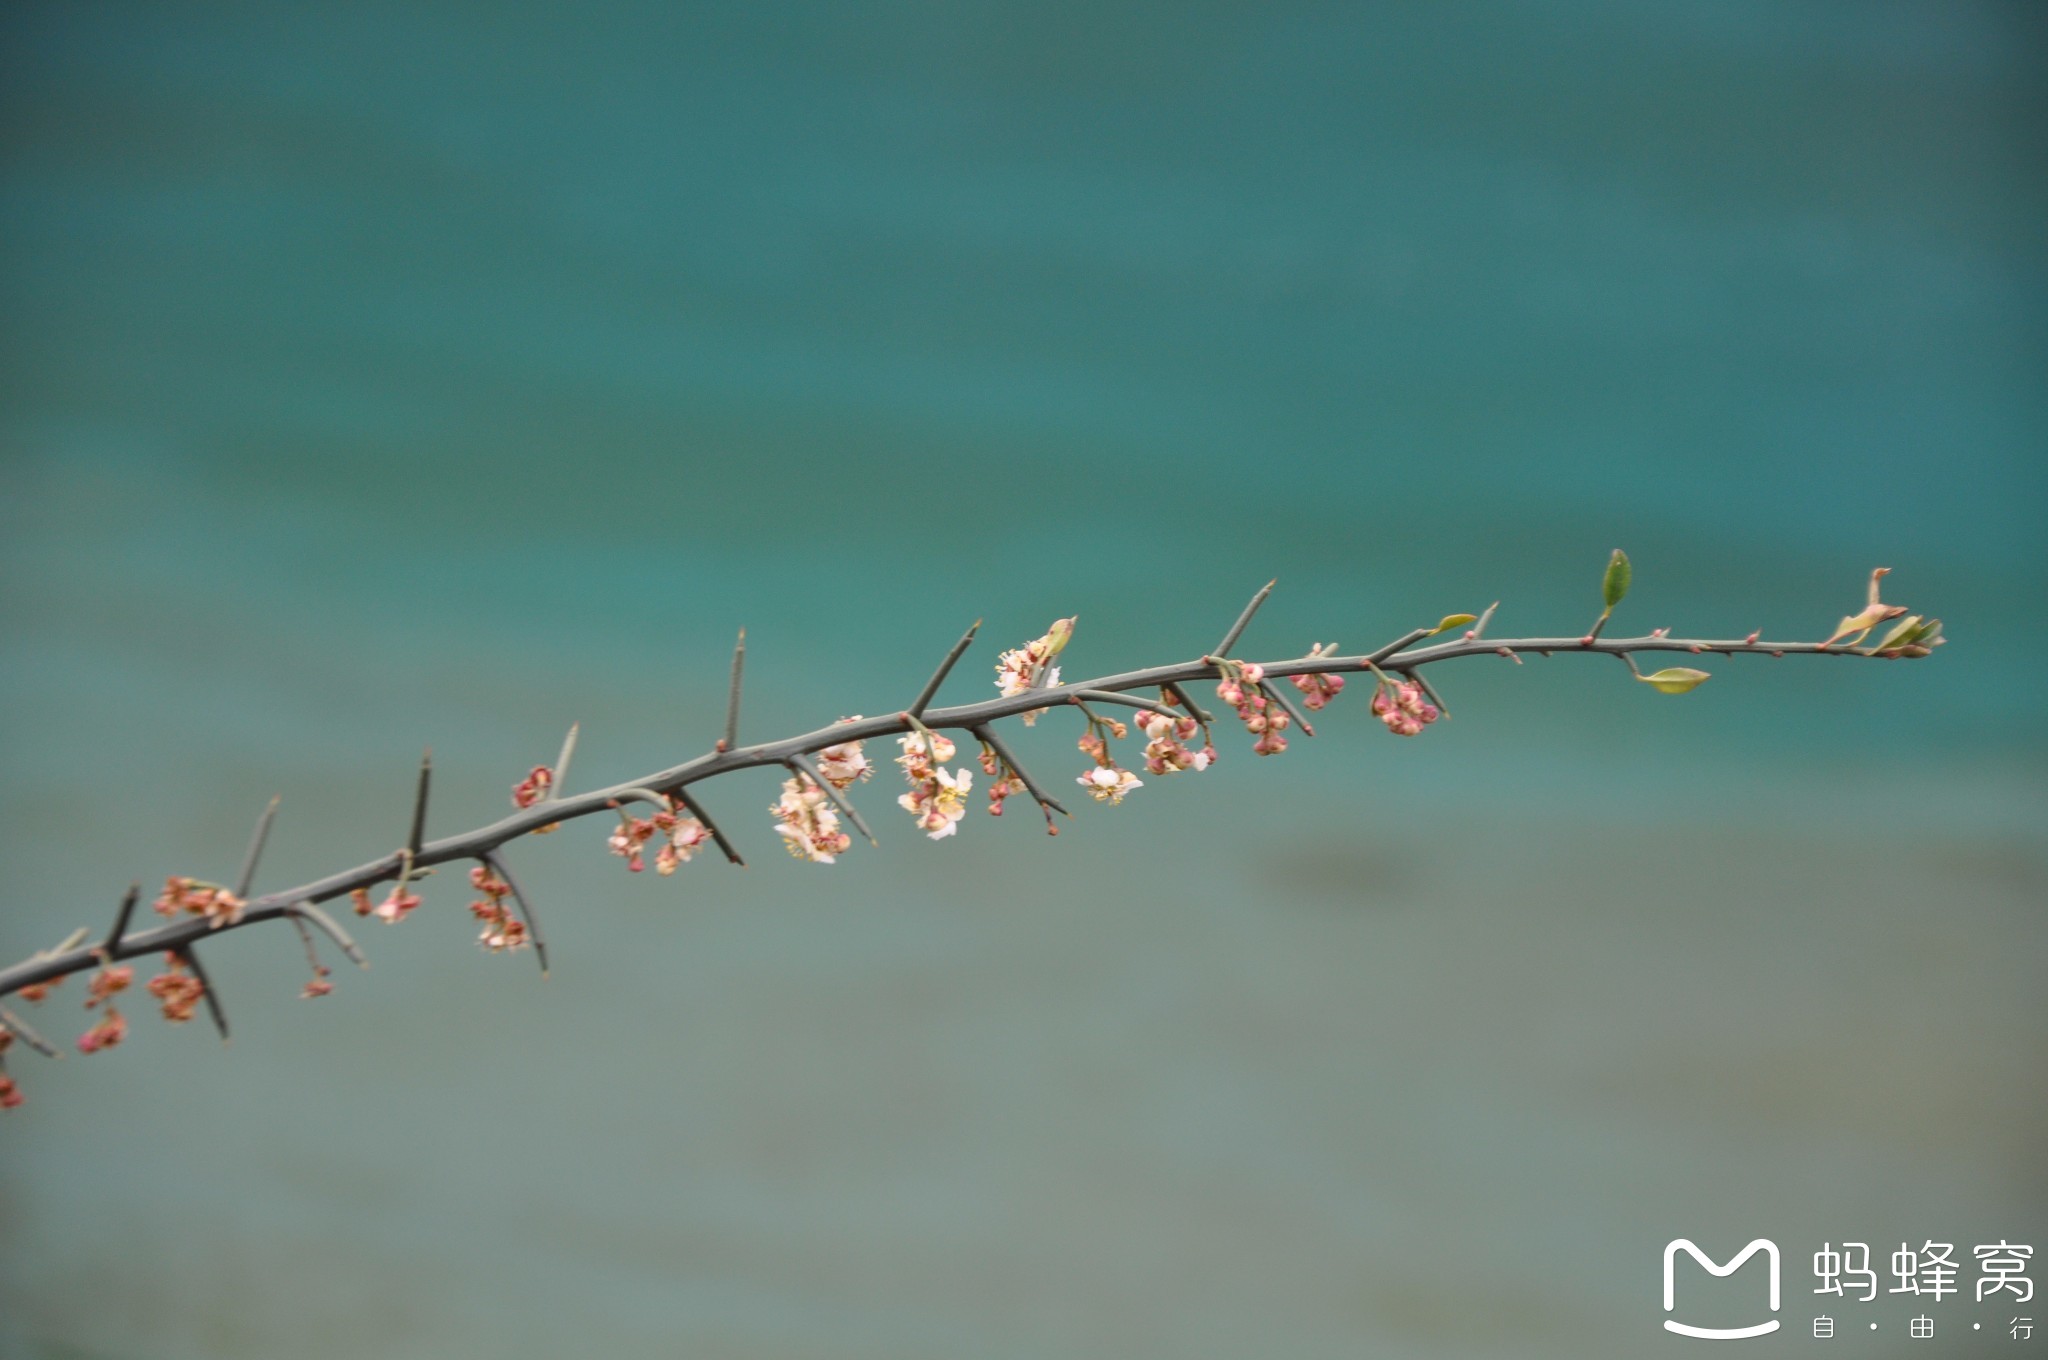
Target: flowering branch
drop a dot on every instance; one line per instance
(825, 763)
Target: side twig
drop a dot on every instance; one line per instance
(247, 877)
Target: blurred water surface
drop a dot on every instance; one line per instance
(389, 375)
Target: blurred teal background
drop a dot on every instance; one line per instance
(377, 376)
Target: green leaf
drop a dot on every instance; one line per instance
(1614, 585)
(1451, 621)
(1675, 679)
(1904, 634)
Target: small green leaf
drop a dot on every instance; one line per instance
(1904, 634)
(1674, 679)
(1614, 585)
(1451, 621)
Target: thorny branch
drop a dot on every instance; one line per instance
(1403, 699)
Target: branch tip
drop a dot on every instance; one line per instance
(562, 761)
(26, 1033)
(697, 811)
(123, 912)
(931, 686)
(732, 699)
(256, 841)
(1237, 629)
(1274, 693)
(417, 836)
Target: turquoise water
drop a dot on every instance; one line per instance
(442, 375)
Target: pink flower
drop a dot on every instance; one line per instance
(111, 1030)
(106, 982)
(1403, 706)
(396, 907)
(1241, 689)
(844, 764)
(1030, 667)
(176, 990)
(1166, 750)
(1107, 784)
(502, 930)
(534, 788)
(807, 823)
(1317, 690)
(938, 796)
(686, 837)
(629, 841)
(218, 905)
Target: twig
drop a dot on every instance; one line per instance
(1103, 696)
(1237, 629)
(696, 809)
(1009, 759)
(1194, 709)
(493, 862)
(121, 915)
(1406, 639)
(931, 686)
(306, 911)
(803, 766)
(1430, 690)
(256, 840)
(26, 1033)
(306, 939)
(213, 1007)
(415, 838)
(1300, 719)
(731, 738)
(561, 774)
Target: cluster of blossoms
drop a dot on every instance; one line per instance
(218, 905)
(1107, 782)
(1243, 688)
(396, 906)
(1404, 706)
(111, 1030)
(1166, 744)
(1317, 689)
(1031, 666)
(807, 822)
(36, 991)
(534, 788)
(1004, 782)
(177, 990)
(938, 796)
(681, 838)
(846, 764)
(113, 1026)
(502, 929)
(539, 785)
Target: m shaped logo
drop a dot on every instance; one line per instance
(1671, 1250)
